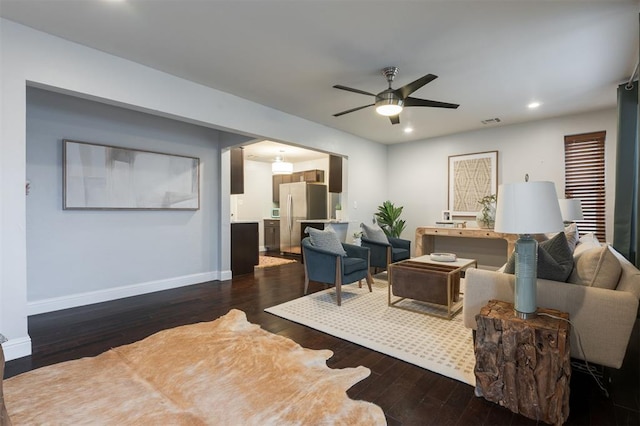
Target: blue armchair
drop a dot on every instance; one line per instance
(382, 254)
(327, 267)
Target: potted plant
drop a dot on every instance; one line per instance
(486, 218)
(388, 217)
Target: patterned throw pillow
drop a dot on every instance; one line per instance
(555, 259)
(326, 240)
(374, 233)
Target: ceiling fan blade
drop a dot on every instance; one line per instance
(350, 89)
(352, 110)
(410, 102)
(395, 119)
(408, 89)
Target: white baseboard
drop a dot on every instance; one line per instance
(16, 348)
(64, 302)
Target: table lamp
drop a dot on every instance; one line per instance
(527, 208)
(571, 209)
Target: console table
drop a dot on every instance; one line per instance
(425, 237)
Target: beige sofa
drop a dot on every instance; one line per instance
(603, 317)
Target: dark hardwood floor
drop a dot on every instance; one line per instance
(408, 394)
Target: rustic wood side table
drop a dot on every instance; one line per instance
(524, 365)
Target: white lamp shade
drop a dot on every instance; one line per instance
(528, 208)
(571, 209)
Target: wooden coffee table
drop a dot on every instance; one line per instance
(428, 281)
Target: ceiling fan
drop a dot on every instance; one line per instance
(390, 102)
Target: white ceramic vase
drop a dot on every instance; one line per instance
(491, 216)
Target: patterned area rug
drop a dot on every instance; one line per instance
(270, 261)
(439, 345)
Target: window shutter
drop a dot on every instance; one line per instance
(584, 179)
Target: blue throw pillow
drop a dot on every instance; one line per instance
(326, 240)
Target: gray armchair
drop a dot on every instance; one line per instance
(330, 268)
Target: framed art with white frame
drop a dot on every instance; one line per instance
(105, 177)
(471, 177)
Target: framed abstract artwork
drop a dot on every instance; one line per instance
(104, 177)
(471, 177)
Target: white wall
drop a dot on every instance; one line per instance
(418, 171)
(30, 57)
(80, 257)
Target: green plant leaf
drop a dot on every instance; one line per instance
(388, 217)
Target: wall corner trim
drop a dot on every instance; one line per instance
(16, 348)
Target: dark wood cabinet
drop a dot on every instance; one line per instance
(316, 176)
(272, 234)
(277, 180)
(335, 174)
(244, 247)
(237, 171)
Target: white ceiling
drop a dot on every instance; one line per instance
(266, 151)
(492, 57)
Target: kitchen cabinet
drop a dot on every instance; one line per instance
(277, 180)
(244, 247)
(316, 176)
(335, 174)
(272, 234)
(237, 170)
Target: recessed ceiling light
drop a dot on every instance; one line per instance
(534, 105)
(408, 129)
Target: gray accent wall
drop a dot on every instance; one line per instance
(72, 252)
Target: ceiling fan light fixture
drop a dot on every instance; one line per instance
(388, 103)
(281, 167)
(391, 102)
(388, 110)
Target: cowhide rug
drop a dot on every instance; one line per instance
(223, 372)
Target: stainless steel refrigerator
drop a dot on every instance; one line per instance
(299, 201)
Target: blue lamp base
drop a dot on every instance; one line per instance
(526, 250)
